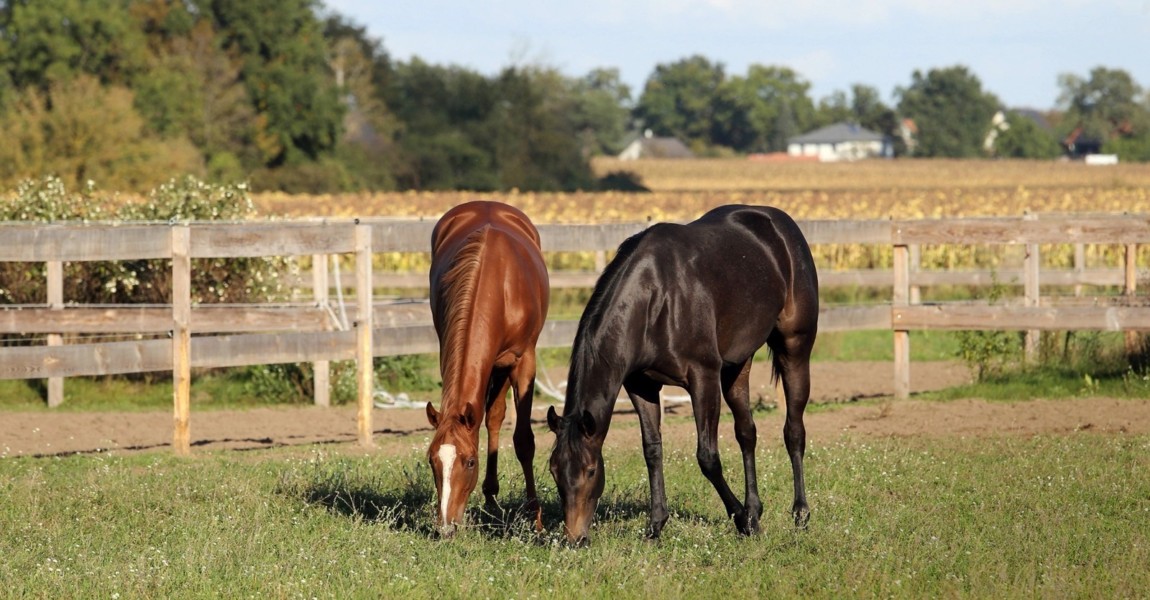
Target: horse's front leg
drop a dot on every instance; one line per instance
(706, 400)
(496, 411)
(523, 389)
(644, 394)
(736, 390)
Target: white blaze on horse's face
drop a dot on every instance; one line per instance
(447, 460)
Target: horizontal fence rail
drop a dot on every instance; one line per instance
(186, 336)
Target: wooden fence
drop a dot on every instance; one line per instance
(204, 336)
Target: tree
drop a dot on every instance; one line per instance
(362, 68)
(83, 131)
(1109, 107)
(537, 142)
(46, 41)
(193, 89)
(446, 137)
(951, 111)
(678, 98)
(1023, 138)
(601, 111)
(298, 113)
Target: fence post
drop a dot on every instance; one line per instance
(901, 298)
(1079, 266)
(1030, 274)
(55, 274)
(915, 266)
(1128, 290)
(365, 372)
(321, 369)
(181, 339)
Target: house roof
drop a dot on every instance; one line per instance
(662, 147)
(839, 132)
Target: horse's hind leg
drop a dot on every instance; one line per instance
(523, 382)
(496, 411)
(792, 360)
(644, 394)
(736, 390)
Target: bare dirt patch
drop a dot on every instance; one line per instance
(62, 433)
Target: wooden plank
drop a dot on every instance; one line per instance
(181, 340)
(400, 235)
(55, 284)
(405, 339)
(846, 232)
(586, 238)
(321, 369)
(900, 298)
(1017, 318)
(1030, 299)
(74, 243)
(73, 360)
(1017, 230)
(236, 240)
(218, 351)
(365, 371)
(854, 318)
(150, 320)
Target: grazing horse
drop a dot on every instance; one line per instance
(688, 305)
(489, 296)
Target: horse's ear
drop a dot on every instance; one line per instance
(471, 416)
(587, 423)
(552, 420)
(432, 415)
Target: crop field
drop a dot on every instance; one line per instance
(682, 190)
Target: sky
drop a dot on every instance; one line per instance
(1016, 48)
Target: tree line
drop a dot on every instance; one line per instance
(291, 96)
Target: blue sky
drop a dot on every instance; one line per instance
(1017, 48)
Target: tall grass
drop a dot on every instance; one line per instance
(1048, 516)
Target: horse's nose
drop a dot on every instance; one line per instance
(447, 532)
(580, 542)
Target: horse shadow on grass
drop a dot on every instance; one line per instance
(407, 504)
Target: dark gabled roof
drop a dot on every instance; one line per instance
(839, 132)
(666, 147)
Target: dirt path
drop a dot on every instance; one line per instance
(59, 433)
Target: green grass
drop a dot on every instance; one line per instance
(1047, 516)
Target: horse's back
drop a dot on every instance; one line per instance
(464, 219)
(737, 273)
(505, 278)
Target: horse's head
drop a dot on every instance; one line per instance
(454, 459)
(577, 466)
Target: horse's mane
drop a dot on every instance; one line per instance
(585, 350)
(458, 294)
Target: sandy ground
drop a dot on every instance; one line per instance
(63, 433)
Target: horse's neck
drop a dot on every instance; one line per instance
(596, 376)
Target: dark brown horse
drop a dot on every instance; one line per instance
(489, 295)
(688, 305)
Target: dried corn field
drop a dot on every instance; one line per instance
(900, 189)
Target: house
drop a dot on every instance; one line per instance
(650, 146)
(841, 141)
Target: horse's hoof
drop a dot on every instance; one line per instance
(746, 524)
(802, 517)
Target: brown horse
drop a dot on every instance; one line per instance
(489, 296)
(688, 305)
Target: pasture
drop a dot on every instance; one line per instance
(917, 514)
(925, 498)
